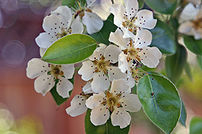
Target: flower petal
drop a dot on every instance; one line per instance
(143, 38)
(63, 87)
(93, 22)
(78, 106)
(127, 33)
(150, 56)
(131, 8)
(115, 73)
(101, 8)
(145, 19)
(186, 28)
(117, 38)
(122, 63)
(42, 51)
(90, 2)
(68, 70)
(77, 26)
(100, 82)
(120, 87)
(87, 88)
(45, 40)
(98, 52)
(87, 70)
(36, 67)
(99, 115)
(44, 83)
(130, 102)
(118, 11)
(112, 53)
(120, 117)
(95, 100)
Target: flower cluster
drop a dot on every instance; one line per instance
(111, 71)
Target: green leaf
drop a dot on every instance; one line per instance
(196, 125)
(176, 63)
(160, 101)
(58, 99)
(73, 3)
(164, 38)
(103, 35)
(199, 59)
(183, 115)
(141, 3)
(193, 45)
(188, 70)
(107, 128)
(70, 49)
(162, 6)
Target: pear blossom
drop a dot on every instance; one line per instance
(195, 2)
(191, 21)
(93, 14)
(118, 101)
(135, 52)
(46, 75)
(130, 20)
(78, 103)
(101, 68)
(57, 25)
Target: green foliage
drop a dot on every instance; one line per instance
(188, 70)
(141, 3)
(73, 3)
(70, 49)
(160, 101)
(164, 38)
(199, 59)
(183, 115)
(193, 45)
(103, 35)
(196, 125)
(162, 6)
(107, 128)
(176, 63)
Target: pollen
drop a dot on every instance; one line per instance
(56, 71)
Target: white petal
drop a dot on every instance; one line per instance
(145, 19)
(36, 67)
(68, 70)
(93, 22)
(45, 40)
(102, 8)
(87, 70)
(115, 73)
(44, 83)
(99, 115)
(112, 53)
(119, 2)
(90, 2)
(118, 11)
(131, 8)
(120, 117)
(42, 51)
(95, 100)
(77, 26)
(98, 52)
(189, 13)
(130, 102)
(87, 88)
(130, 81)
(78, 106)
(143, 38)
(150, 56)
(122, 63)
(127, 33)
(65, 12)
(186, 28)
(63, 87)
(120, 87)
(100, 82)
(117, 38)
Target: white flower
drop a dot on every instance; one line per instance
(118, 100)
(46, 74)
(191, 21)
(136, 53)
(101, 68)
(78, 103)
(93, 14)
(57, 25)
(195, 2)
(129, 19)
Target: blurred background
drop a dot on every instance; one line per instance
(23, 111)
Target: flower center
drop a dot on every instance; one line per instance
(101, 65)
(64, 32)
(197, 23)
(129, 24)
(56, 71)
(112, 100)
